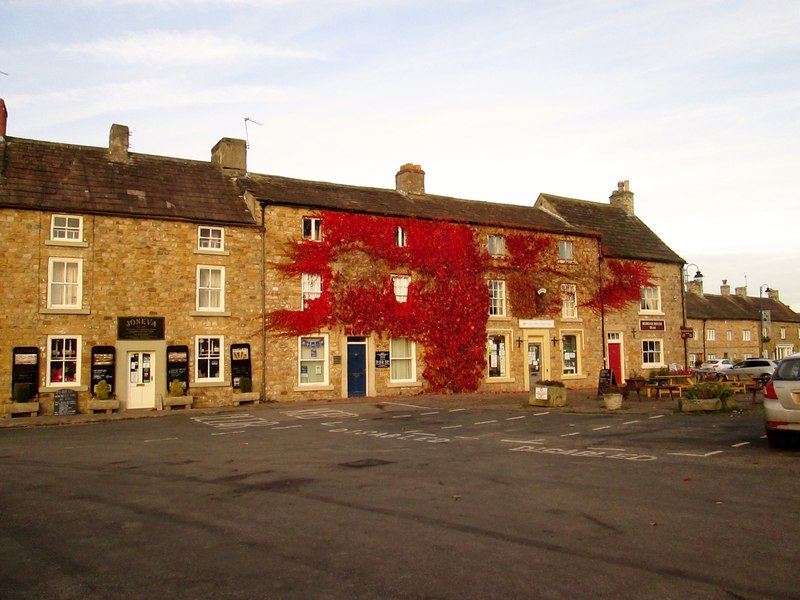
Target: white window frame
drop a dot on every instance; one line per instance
(654, 352)
(59, 290)
(208, 354)
(783, 333)
(205, 291)
(311, 287)
(650, 299)
(322, 361)
(729, 335)
(497, 356)
(312, 229)
(567, 373)
(496, 245)
(566, 251)
(747, 335)
(410, 359)
(569, 301)
(69, 230)
(711, 335)
(400, 284)
(207, 241)
(497, 297)
(71, 346)
(400, 237)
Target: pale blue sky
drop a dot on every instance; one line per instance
(696, 102)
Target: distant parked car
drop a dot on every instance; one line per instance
(716, 363)
(782, 402)
(757, 368)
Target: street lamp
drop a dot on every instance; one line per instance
(762, 288)
(698, 276)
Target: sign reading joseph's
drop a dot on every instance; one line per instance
(140, 328)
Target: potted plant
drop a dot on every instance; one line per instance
(102, 391)
(548, 393)
(246, 393)
(177, 396)
(613, 396)
(102, 400)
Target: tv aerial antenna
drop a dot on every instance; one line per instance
(246, 135)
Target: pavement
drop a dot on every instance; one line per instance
(578, 401)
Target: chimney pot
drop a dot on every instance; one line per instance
(410, 179)
(725, 289)
(622, 197)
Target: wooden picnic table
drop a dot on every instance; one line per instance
(669, 384)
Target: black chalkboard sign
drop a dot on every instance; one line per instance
(65, 402)
(607, 379)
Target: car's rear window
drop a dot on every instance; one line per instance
(788, 370)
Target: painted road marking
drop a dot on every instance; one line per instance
(514, 418)
(631, 422)
(569, 434)
(402, 416)
(706, 455)
(541, 413)
(601, 428)
(656, 417)
(161, 440)
(457, 410)
(585, 453)
(415, 436)
(408, 405)
(740, 444)
(486, 422)
(318, 413)
(523, 441)
(226, 432)
(452, 426)
(287, 427)
(233, 421)
(433, 412)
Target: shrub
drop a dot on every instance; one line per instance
(708, 390)
(102, 390)
(176, 388)
(245, 385)
(21, 392)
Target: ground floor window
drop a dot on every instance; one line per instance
(209, 365)
(497, 356)
(313, 367)
(63, 360)
(402, 360)
(652, 356)
(570, 355)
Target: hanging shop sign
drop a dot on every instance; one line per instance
(103, 365)
(25, 369)
(687, 333)
(140, 328)
(178, 365)
(651, 325)
(240, 364)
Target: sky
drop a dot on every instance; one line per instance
(695, 102)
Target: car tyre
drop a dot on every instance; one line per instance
(777, 439)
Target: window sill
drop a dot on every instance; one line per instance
(500, 380)
(313, 388)
(573, 377)
(203, 313)
(66, 243)
(209, 252)
(65, 311)
(210, 384)
(52, 389)
(404, 384)
(655, 313)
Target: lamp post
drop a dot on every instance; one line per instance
(698, 277)
(761, 289)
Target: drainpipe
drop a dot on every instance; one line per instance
(263, 204)
(602, 303)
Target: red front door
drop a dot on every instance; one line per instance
(615, 360)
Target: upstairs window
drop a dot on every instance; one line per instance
(64, 228)
(65, 289)
(565, 250)
(210, 238)
(400, 237)
(210, 288)
(401, 283)
(312, 287)
(711, 335)
(497, 298)
(497, 245)
(312, 229)
(569, 301)
(650, 299)
(746, 335)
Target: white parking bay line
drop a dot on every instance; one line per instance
(452, 426)
(523, 441)
(401, 417)
(603, 427)
(631, 422)
(707, 454)
(287, 427)
(409, 405)
(656, 417)
(457, 409)
(433, 412)
(541, 413)
(486, 422)
(514, 418)
(569, 434)
(740, 444)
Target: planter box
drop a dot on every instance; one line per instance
(548, 395)
(177, 401)
(21, 408)
(698, 405)
(245, 397)
(106, 406)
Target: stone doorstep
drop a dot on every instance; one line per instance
(107, 406)
(17, 408)
(169, 402)
(246, 397)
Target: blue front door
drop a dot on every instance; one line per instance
(356, 367)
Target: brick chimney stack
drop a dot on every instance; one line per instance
(410, 180)
(118, 143)
(622, 197)
(725, 289)
(741, 291)
(230, 155)
(3, 118)
(773, 294)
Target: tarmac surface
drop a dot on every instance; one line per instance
(578, 401)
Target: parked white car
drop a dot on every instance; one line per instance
(757, 368)
(716, 363)
(782, 402)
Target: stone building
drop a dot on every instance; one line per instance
(145, 269)
(726, 325)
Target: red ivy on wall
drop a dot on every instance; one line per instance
(447, 306)
(527, 274)
(622, 280)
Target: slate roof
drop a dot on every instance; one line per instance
(732, 307)
(388, 202)
(623, 235)
(82, 179)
